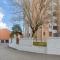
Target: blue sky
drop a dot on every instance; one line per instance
(11, 11)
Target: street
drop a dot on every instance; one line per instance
(7, 53)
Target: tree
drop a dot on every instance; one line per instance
(16, 29)
(35, 21)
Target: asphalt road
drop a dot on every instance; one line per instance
(7, 53)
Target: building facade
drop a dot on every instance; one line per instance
(4, 35)
(51, 27)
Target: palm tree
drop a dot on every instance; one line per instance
(16, 30)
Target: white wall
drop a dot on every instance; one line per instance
(27, 45)
(53, 46)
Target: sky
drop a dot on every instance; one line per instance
(11, 12)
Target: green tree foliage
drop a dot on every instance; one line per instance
(16, 29)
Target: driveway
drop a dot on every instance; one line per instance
(7, 53)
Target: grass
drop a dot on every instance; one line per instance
(40, 43)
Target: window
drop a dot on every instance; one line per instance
(44, 33)
(54, 27)
(54, 13)
(2, 41)
(55, 35)
(7, 41)
(50, 34)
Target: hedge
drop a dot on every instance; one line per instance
(40, 43)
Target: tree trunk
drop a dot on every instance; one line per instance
(34, 35)
(34, 31)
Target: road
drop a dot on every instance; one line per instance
(7, 53)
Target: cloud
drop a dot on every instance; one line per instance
(1, 16)
(1, 13)
(3, 25)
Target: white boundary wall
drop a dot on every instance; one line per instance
(27, 45)
(53, 46)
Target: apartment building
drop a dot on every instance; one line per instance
(53, 19)
(54, 28)
(51, 27)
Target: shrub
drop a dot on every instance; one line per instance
(40, 43)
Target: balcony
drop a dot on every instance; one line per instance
(53, 29)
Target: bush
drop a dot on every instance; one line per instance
(40, 43)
